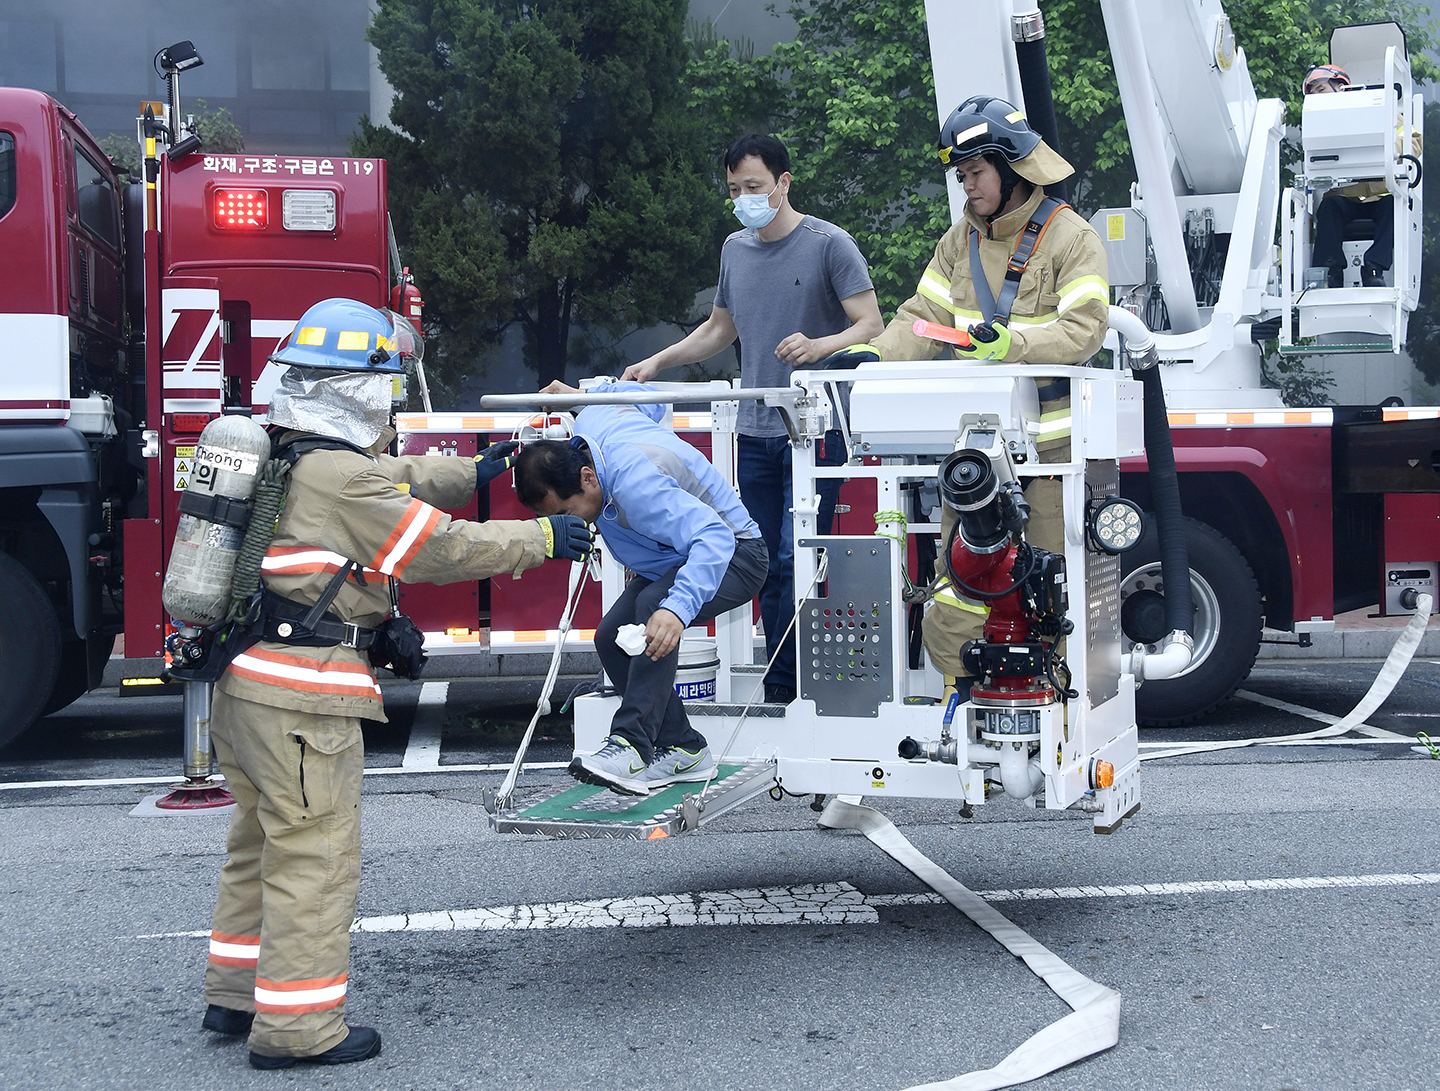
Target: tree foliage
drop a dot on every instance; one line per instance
(1282, 39)
(216, 128)
(543, 169)
(853, 97)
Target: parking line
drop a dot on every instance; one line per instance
(113, 782)
(817, 903)
(423, 751)
(1319, 717)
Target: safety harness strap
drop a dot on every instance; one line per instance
(215, 508)
(1015, 268)
(284, 621)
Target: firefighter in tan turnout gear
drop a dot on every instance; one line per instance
(286, 718)
(1027, 275)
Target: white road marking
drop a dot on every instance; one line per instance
(819, 903)
(389, 770)
(423, 752)
(1312, 714)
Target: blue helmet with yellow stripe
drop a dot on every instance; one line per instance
(347, 335)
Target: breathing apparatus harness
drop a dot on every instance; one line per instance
(256, 613)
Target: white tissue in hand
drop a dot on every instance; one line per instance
(631, 639)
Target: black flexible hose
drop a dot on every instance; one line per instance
(1040, 102)
(1165, 494)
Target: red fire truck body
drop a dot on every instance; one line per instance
(119, 340)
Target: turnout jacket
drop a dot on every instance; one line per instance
(665, 506)
(1061, 311)
(384, 513)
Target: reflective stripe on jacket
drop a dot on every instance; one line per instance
(1061, 311)
(345, 506)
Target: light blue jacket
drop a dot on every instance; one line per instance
(665, 506)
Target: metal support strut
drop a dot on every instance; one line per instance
(198, 792)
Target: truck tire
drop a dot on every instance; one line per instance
(78, 660)
(29, 650)
(1226, 629)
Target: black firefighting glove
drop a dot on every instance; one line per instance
(567, 537)
(399, 645)
(494, 461)
(848, 358)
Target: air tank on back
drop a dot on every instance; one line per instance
(214, 510)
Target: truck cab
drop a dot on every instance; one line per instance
(125, 326)
(65, 406)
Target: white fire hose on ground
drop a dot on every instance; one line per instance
(1094, 1023)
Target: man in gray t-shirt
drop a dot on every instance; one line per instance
(793, 290)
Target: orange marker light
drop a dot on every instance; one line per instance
(937, 332)
(1104, 774)
(656, 834)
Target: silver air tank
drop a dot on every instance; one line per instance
(214, 510)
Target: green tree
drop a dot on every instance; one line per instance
(858, 116)
(853, 97)
(217, 129)
(1282, 39)
(543, 169)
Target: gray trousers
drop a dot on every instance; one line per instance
(651, 714)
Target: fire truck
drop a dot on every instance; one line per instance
(1292, 514)
(130, 316)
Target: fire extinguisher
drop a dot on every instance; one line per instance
(405, 298)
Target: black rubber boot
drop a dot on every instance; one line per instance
(227, 1020)
(360, 1044)
(1372, 276)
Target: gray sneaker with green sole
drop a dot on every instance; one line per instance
(672, 765)
(617, 765)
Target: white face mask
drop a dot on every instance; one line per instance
(753, 209)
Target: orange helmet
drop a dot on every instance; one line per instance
(1330, 72)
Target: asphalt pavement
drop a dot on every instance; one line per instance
(1269, 918)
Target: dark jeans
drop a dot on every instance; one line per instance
(762, 470)
(1335, 212)
(651, 714)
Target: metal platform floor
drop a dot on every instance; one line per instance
(585, 811)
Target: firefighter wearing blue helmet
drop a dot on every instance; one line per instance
(286, 718)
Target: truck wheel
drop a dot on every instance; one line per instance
(1226, 629)
(78, 659)
(29, 649)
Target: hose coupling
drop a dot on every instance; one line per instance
(1143, 358)
(946, 750)
(1027, 26)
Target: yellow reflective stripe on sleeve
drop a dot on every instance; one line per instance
(945, 598)
(936, 289)
(1081, 289)
(1033, 323)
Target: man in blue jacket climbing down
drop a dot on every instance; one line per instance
(669, 517)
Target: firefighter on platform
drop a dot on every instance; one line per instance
(1042, 297)
(285, 723)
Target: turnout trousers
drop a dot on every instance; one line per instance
(280, 940)
(951, 621)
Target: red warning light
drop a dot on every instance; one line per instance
(241, 209)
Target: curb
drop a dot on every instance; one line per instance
(1346, 644)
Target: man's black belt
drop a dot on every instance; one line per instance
(283, 622)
